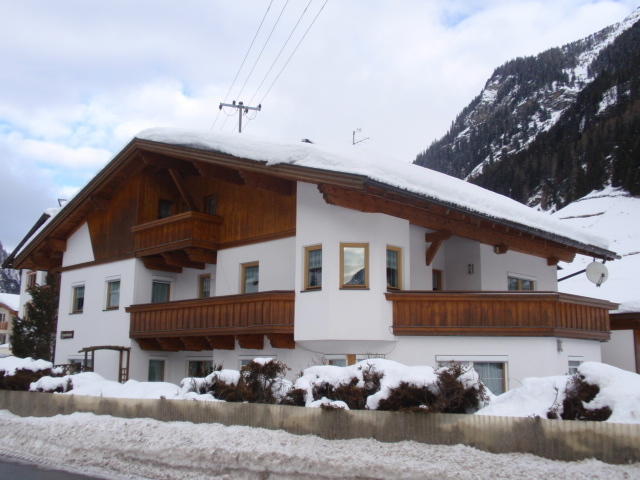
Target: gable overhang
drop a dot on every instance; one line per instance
(130, 158)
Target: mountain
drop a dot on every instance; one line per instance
(9, 278)
(549, 129)
(613, 214)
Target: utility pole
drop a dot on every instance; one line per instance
(242, 108)
(353, 137)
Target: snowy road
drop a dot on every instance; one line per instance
(120, 448)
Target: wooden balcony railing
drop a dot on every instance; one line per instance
(500, 314)
(215, 322)
(184, 230)
(4, 325)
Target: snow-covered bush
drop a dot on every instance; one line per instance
(457, 389)
(577, 395)
(18, 373)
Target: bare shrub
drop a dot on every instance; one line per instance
(351, 393)
(295, 396)
(258, 383)
(578, 393)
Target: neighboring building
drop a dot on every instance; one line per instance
(623, 350)
(194, 250)
(8, 310)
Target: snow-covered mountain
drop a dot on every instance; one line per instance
(548, 129)
(613, 214)
(9, 278)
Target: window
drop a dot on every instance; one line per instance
(204, 286)
(77, 303)
(337, 362)
(517, 283)
(354, 265)
(492, 375)
(573, 366)
(31, 279)
(79, 365)
(313, 267)
(113, 294)
(250, 277)
(160, 291)
(156, 370)
(199, 368)
(3, 338)
(394, 267)
(436, 277)
(3, 317)
(165, 208)
(211, 205)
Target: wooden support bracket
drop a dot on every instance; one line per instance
(181, 260)
(184, 192)
(281, 340)
(157, 263)
(254, 342)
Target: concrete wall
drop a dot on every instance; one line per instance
(79, 248)
(620, 350)
(569, 440)
(497, 267)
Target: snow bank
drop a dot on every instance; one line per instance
(619, 390)
(94, 385)
(629, 307)
(369, 163)
(9, 365)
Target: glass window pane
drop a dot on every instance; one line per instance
(78, 299)
(492, 375)
(314, 272)
(251, 278)
(113, 294)
(205, 286)
(156, 370)
(354, 267)
(393, 262)
(199, 368)
(337, 362)
(160, 292)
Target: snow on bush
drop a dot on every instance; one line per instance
(379, 384)
(595, 389)
(17, 373)
(325, 403)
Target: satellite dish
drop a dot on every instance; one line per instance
(597, 273)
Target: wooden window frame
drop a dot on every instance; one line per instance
(107, 306)
(307, 250)
(74, 298)
(201, 278)
(344, 245)
(243, 275)
(440, 274)
(400, 270)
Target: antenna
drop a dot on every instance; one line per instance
(353, 137)
(242, 108)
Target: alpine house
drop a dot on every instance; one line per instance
(191, 249)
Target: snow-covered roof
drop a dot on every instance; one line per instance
(11, 300)
(380, 168)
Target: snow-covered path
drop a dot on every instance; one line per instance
(142, 448)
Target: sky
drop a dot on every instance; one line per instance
(79, 79)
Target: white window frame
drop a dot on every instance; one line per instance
(107, 281)
(72, 310)
(441, 360)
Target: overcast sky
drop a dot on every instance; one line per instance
(78, 79)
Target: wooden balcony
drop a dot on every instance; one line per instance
(215, 322)
(527, 314)
(4, 325)
(187, 239)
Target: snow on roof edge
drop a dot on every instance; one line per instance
(386, 170)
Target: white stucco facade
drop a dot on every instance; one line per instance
(620, 350)
(330, 322)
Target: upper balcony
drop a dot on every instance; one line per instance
(215, 322)
(187, 239)
(500, 314)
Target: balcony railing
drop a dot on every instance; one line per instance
(215, 322)
(4, 325)
(184, 230)
(500, 314)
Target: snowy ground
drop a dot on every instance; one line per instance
(119, 448)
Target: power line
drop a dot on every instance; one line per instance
(273, 64)
(294, 51)
(262, 50)
(243, 60)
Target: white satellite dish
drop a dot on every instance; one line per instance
(597, 273)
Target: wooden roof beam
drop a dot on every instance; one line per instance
(176, 176)
(157, 263)
(253, 342)
(222, 342)
(162, 161)
(431, 237)
(180, 259)
(171, 344)
(500, 249)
